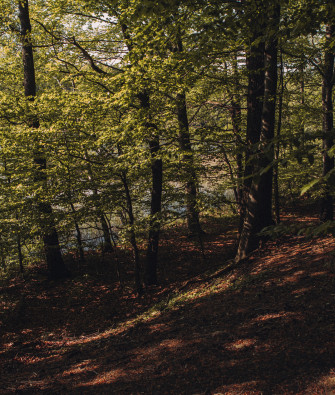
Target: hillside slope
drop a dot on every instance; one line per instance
(263, 327)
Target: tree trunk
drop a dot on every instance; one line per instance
(54, 259)
(192, 212)
(133, 242)
(276, 196)
(236, 120)
(19, 252)
(235, 113)
(107, 245)
(150, 272)
(255, 68)
(155, 213)
(328, 123)
(78, 233)
(259, 205)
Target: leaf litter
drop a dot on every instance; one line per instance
(262, 327)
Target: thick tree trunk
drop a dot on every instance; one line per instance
(328, 123)
(255, 94)
(259, 205)
(52, 249)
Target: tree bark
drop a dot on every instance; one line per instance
(133, 242)
(19, 252)
(55, 263)
(150, 272)
(150, 269)
(259, 205)
(328, 123)
(78, 233)
(276, 196)
(236, 119)
(255, 94)
(107, 244)
(192, 212)
(155, 213)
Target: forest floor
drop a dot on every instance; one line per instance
(266, 326)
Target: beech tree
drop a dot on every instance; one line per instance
(261, 121)
(53, 254)
(139, 114)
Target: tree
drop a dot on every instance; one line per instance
(259, 204)
(52, 250)
(328, 81)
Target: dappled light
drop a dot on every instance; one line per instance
(241, 344)
(167, 184)
(265, 326)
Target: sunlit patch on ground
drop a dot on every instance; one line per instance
(262, 327)
(171, 344)
(79, 368)
(320, 273)
(327, 383)
(283, 315)
(241, 343)
(106, 378)
(246, 388)
(302, 291)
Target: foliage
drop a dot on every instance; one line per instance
(93, 60)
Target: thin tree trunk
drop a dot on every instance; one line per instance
(328, 122)
(192, 212)
(107, 245)
(155, 213)
(19, 246)
(19, 251)
(276, 195)
(231, 174)
(55, 263)
(259, 206)
(78, 233)
(107, 242)
(150, 270)
(133, 242)
(235, 114)
(3, 255)
(17, 231)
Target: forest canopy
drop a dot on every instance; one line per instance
(119, 118)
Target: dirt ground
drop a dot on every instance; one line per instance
(266, 326)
